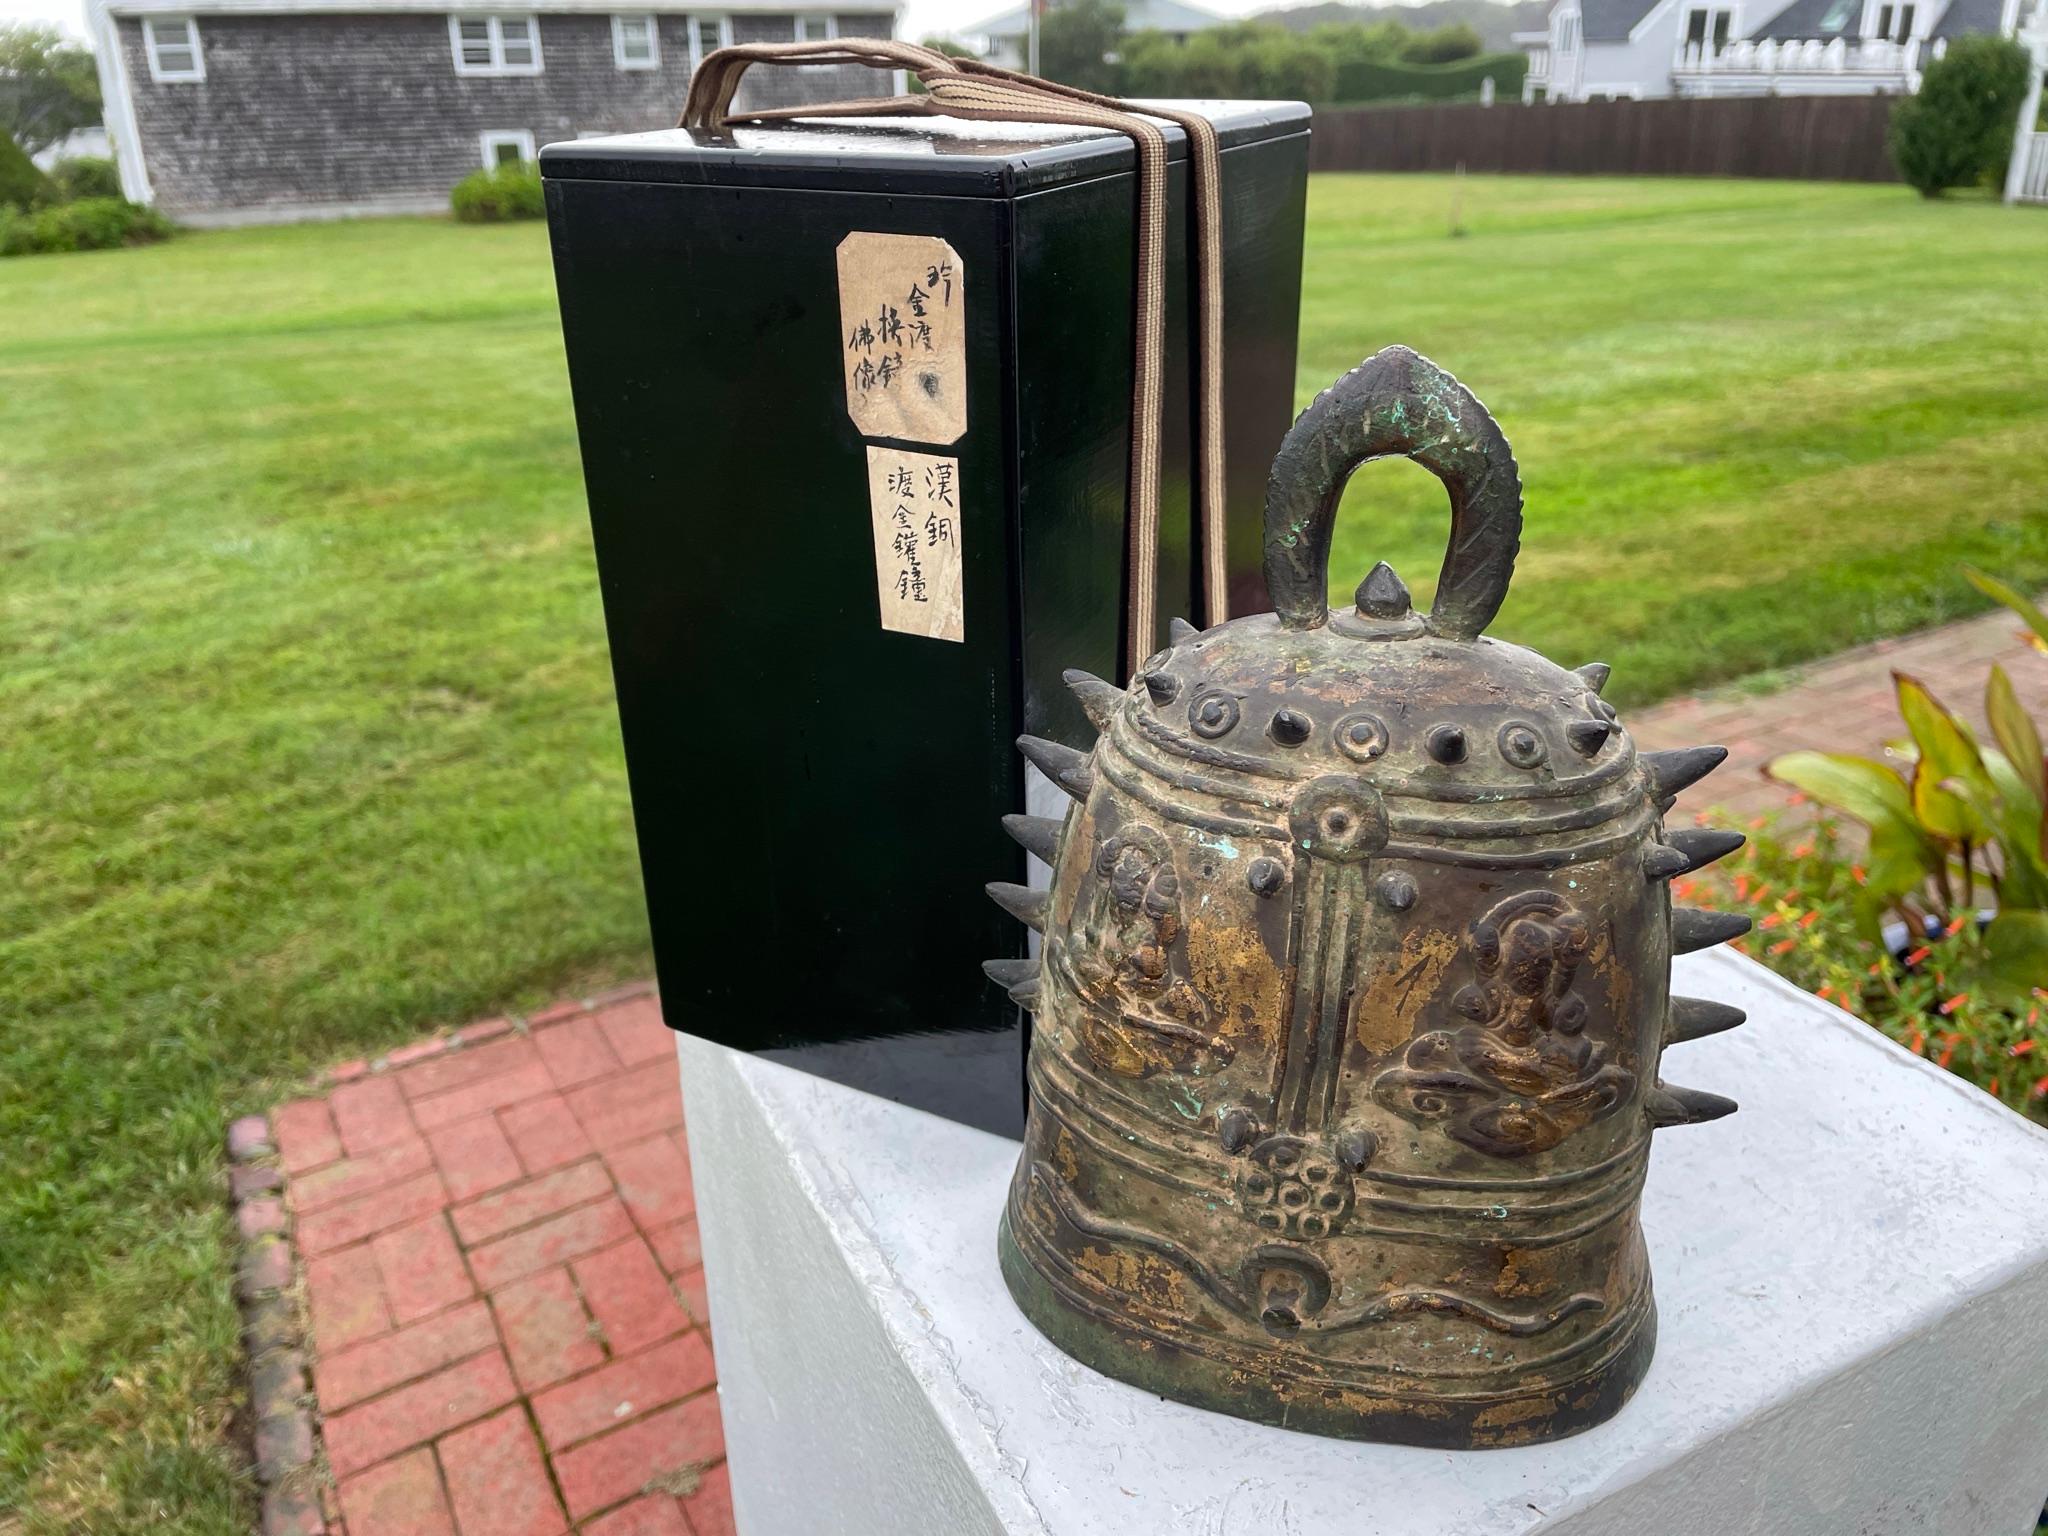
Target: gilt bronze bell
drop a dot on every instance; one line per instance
(1353, 988)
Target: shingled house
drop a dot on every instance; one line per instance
(1645, 48)
(235, 111)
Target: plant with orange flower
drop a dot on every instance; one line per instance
(1965, 826)
(1810, 902)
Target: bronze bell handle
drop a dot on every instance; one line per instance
(1396, 401)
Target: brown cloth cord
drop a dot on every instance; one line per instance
(967, 88)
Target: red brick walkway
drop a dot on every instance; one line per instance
(1846, 703)
(498, 1256)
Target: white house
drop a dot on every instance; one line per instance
(1001, 39)
(1611, 49)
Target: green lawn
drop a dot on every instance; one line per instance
(308, 724)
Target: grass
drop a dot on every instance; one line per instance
(1757, 422)
(309, 730)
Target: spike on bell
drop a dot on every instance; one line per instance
(1163, 687)
(1661, 863)
(1383, 595)
(1037, 835)
(1063, 765)
(1180, 631)
(1692, 929)
(1694, 1018)
(1589, 736)
(1021, 902)
(1702, 845)
(1686, 1106)
(1596, 674)
(1010, 973)
(1098, 698)
(1672, 771)
(1026, 995)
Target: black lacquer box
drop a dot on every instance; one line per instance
(827, 632)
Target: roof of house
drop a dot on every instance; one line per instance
(1965, 16)
(1823, 19)
(1139, 16)
(1611, 21)
(1827, 19)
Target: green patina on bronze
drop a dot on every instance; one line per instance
(1353, 989)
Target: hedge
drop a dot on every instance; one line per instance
(91, 224)
(84, 176)
(1365, 80)
(508, 192)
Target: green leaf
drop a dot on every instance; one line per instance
(1901, 853)
(1900, 858)
(2012, 819)
(1857, 786)
(2016, 952)
(2015, 733)
(2016, 600)
(1946, 754)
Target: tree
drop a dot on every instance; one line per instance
(1446, 45)
(22, 186)
(1957, 132)
(1077, 44)
(48, 87)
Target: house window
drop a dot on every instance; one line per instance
(636, 44)
(816, 29)
(1895, 22)
(495, 45)
(172, 43)
(1706, 32)
(506, 146)
(706, 34)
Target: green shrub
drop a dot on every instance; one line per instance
(85, 176)
(493, 196)
(1374, 80)
(1810, 897)
(1245, 59)
(21, 184)
(1446, 45)
(91, 224)
(1957, 132)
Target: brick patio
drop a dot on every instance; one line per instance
(499, 1266)
(1846, 703)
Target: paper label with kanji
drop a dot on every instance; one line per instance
(915, 499)
(902, 340)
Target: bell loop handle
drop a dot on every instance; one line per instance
(1395, 402)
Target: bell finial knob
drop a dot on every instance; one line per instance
(1383, 595)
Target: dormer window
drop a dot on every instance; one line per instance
(1894, 23)
(1706, 31)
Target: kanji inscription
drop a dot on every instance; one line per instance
(903, 343)
(915, 498)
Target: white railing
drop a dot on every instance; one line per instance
(2031, 184)
(1870, 56)
(1539, 65)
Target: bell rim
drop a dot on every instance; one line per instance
(1194, 1377)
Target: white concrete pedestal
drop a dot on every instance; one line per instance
(1852, 1277)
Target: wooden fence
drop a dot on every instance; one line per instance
(1808, 138)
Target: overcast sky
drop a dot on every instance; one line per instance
(921, 18)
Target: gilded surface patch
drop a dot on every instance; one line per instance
(1405, 984)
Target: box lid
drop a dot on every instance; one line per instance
(935, 156)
